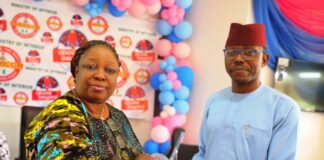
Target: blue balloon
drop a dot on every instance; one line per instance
(162, 77)
(101, 2)
(184, 3)
(166, 97)
(171, 60)
(154, 80)
(114, 11)
(163, 27)
(169, 68)
(183, 93)
(92, 12)
(99, 10)
(181, 106)
(163, 64)
(94, 5)
(173, 38)
(164, 147)
(87, 7)
(185, 75)
(166, 85)
(151, 147)
(183, 30)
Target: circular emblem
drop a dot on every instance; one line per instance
(20, 98)
(10, 64)
(25, 25)
(125, 41)
(142, 76)
(54, 23)
(98, 25)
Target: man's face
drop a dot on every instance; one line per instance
(243, 63)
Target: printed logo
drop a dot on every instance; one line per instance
(20, 98)
(135, 99)
(3, 95)
(111, 40)
(98, 25)
(33, 57)
(25, 25)
(68, 43)
(142, 76)
(144, 52)
(10, 64)
(47, 88)
(76, 21)
(125, 42)
(3, 22)
(47, 38)
(54, 23)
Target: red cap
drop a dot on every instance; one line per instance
(246, 35)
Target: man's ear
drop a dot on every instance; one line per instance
(265, 58)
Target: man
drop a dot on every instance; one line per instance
(248, 121)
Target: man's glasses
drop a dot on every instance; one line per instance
(246, 54)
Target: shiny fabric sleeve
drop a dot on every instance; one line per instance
(284, 138)
(59, 132)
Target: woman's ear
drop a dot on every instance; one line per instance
(76, 71)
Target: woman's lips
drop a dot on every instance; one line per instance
(98, 88)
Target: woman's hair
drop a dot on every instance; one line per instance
(80, 51)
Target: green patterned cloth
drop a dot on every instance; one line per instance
(64, 130)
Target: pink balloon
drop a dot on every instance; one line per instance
(122, 4)
(157, 121)
(182, 50)
(173, 21)
(167, 3)
(153, 9)
(160, 134)
(174, 121)
(164, 14)
(80, 2)
(184, 62)
(163, 47)
(177, 85)
(149, 2)
(155, 67)
(172, 76)
(137, 9)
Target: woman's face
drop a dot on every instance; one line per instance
(96, 74)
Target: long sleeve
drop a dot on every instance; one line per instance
(59, 132)
(284, 137)
(202, 137)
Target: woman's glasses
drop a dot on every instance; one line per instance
(246, 54)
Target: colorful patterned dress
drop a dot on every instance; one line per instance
(64, 130)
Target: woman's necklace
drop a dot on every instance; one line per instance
(98, 115)
(95, 115)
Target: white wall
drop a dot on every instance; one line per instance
(211, 20)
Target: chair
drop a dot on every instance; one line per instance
(180, 151)
(187, 151)
(27, 115)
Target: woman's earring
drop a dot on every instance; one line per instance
(116, 91)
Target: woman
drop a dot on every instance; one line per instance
(80, 124)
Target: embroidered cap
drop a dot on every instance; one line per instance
(246, 35)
